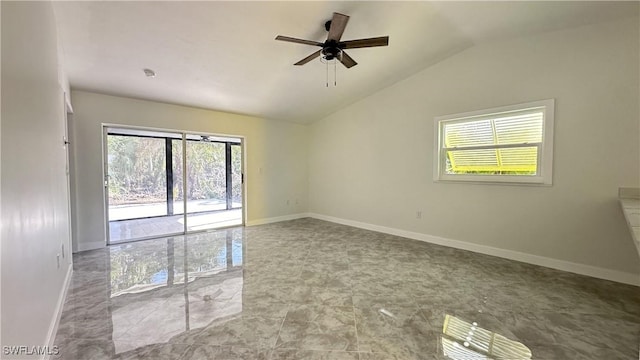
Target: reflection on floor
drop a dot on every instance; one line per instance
(308, 289)
(465, 340)
(127, 230)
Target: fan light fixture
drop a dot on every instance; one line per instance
(331, 56)
(332, 50)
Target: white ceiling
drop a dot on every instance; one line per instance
(223, 56)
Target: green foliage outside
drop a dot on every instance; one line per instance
(137, 170)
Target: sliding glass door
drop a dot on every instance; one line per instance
(152, 177)
(137, 182)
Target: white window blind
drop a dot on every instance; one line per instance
(503, 145)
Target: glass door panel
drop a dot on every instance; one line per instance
(154, 177)
(138, 184)
(214, 182)
(236, 176)
(206, 183)
(177, 186)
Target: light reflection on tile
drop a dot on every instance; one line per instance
(318, 290)
(465, 340)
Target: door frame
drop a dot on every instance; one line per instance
(183, 133)
(67, 249)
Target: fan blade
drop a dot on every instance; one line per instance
(362, 43)
(347, 61)
(338, 24)
(298, 41)
(309, 58)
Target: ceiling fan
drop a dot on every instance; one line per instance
(333, 48)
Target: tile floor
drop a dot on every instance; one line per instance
(308, 289)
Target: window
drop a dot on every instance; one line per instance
(511, 144)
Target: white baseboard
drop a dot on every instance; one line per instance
(582, 269)
(53, 327)
(91, 246)
(277, 219)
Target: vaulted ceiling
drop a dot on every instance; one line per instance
(223, 56)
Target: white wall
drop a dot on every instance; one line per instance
(372, 161)
(34, 187)
(276, 155)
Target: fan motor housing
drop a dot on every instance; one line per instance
(331, 52)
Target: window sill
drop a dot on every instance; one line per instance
(510, 182)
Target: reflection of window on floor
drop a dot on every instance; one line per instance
(185, 283)
(190, 257)
(462, 340)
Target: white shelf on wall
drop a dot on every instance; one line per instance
(630, 202)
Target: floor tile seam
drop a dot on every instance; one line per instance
(312, 349)
(400, 339)
(73, 338)
(337, 351)
(421, 311)
(194, 335)
(416, 309)
(355, 325)
(74, 314)
(290, 348)
(567, 311)
(353, 306)
(184, 353)
(299, 272)
(323, 350)
(515, 313)
(284, 318)
(76, 284)
(304, 261)
(143, 318)
(317, 324)
(609, 347)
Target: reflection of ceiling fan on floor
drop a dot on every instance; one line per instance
(333, 48)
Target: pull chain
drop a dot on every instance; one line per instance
(327, 74)
(335, 72)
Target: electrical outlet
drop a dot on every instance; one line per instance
(419, 214)
(58, 260)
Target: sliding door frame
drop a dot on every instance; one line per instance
(183, 133)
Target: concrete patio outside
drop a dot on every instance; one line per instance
(137, 221)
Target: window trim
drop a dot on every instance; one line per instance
(545, 148)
